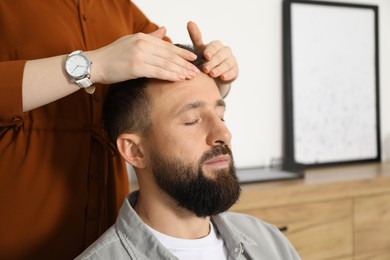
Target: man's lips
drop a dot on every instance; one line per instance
(221, 161)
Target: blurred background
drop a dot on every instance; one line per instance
(253, 29)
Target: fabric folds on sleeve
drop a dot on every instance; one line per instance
(11, 79)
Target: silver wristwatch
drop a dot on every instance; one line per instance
(78, 67)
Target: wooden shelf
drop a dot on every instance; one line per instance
(338, 212)
(322, 184)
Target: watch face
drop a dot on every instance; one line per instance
(77, 66)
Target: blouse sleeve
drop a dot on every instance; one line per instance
(142, 23)
(11, 78)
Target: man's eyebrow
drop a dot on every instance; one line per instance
(190, 106)
(198, 104)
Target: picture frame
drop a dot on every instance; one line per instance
(330, 83)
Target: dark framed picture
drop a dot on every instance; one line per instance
(331, 83)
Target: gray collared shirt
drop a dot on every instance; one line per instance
(245, 237)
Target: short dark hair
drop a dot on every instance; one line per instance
(127, 104)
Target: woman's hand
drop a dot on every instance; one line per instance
(142, 55)
(220, 59)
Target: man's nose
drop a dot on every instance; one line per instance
(218, 133)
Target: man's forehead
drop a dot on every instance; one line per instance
(202, 88)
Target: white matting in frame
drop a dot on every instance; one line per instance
(334, 80)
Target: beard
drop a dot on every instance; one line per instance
(188, 185)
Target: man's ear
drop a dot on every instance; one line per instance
(130, 148)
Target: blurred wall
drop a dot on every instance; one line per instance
(253, 29)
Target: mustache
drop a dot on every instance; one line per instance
(214, 152)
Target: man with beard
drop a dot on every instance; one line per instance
(174, 135)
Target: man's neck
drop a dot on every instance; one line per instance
(161, 213)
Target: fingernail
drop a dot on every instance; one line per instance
(193, 56)
(191, 73)
(225, 75)
(181, 76)
(196, 70)
(206, 68)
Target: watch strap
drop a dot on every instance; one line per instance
(90, 89)
(86, 84)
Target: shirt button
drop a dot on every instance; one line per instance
(236, 250)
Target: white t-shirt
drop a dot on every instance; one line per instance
(194, 249)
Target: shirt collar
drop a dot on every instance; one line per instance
(131, 228)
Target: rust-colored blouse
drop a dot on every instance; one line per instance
(61, 183)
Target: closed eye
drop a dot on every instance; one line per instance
(192, 122)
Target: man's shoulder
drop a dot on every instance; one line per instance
(243, 220)
(108, 245)
(261, 238)
(251, 227)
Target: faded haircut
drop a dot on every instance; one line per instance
(127, 105)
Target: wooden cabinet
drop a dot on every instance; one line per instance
(338, 213)
(372, 227)
(317, 230)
